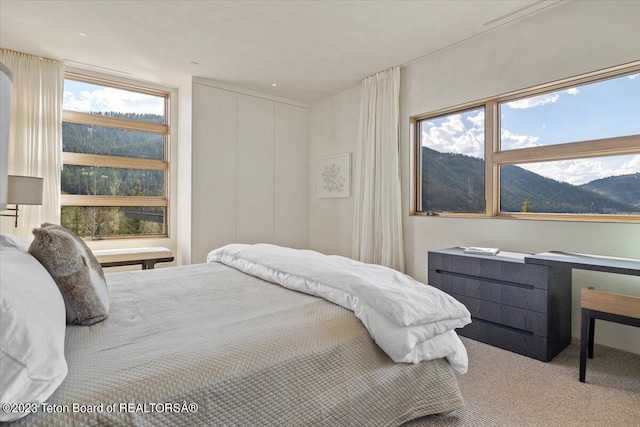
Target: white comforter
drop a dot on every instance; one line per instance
(410, 321)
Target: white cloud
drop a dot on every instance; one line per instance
(634, 76)
(453, 135)
(534, 101)
(574, 172)
(477, 120)
(632, 166)
(111, 99)
(511, 141)
(547, 98)
(581, 171)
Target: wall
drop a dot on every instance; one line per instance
(559, 43)
(183, 245)
(333, 129)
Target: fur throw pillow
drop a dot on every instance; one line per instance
(76, 272)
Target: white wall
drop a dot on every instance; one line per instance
(182, 170)
(333, 129)
(568, 40)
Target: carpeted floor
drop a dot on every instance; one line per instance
(507, 389)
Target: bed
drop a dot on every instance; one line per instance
(206, 344)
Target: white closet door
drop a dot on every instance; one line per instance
(290, 176)
(255, 153)
(214, 170)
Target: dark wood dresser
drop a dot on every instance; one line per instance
(524, 308)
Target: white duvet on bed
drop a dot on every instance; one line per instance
(410, 321)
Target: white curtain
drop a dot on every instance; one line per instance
(377, 234)
(35, 134)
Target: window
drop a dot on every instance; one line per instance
(567, 150)
(452, 162)
(115, 159)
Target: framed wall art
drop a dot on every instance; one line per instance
(334, 176)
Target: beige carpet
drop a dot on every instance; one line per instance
(507, 389)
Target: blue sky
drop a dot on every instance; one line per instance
(86, 97)
(598, 110)
(593, 111)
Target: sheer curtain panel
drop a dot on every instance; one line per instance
(377, 236)
(35, 134)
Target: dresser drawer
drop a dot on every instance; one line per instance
(516, 295)
(517, 318)
(513, 340)
(525, 308)
(502, 268)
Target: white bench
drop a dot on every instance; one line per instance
(146, 257)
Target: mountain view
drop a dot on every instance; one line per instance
(455, 182)
(105, 181)
(625, 188)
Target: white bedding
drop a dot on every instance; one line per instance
(245, 351)
(410, 321)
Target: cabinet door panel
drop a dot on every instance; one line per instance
(255, 166)
(290, 179)
(214, 170)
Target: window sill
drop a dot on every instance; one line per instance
(633, 219)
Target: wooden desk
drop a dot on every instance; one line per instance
(146, 257)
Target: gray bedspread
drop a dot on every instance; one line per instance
(245, 351)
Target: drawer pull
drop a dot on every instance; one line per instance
(485, 279)
(498, 325)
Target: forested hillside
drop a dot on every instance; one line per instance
(78, 138)
(548, 195)
(456, 181)
(88, 180)
(624, 188)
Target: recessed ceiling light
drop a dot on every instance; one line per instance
(274, 85)
(82, 34)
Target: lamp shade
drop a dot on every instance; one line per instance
(24, 190)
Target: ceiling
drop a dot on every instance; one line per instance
(309, 49)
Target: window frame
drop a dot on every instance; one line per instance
(415, 124)
(99, 160)
(494, 157)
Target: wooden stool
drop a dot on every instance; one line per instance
(606, 306)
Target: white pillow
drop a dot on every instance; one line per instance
(32, 329)
(9, 241)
